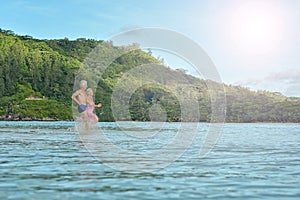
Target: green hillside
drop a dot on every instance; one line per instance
(37, 78)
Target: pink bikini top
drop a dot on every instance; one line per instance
(90, 107)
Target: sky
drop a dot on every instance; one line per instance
(253, 43)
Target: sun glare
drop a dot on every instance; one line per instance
(256, 27)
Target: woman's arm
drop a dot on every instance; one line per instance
(89, 100)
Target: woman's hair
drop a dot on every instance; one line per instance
(89, 90)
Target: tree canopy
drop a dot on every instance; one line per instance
(46, 70)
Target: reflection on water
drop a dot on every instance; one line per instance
(140, 147)
(48, 160)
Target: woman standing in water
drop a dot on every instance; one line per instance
(91, 105)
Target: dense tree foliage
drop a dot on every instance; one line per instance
(37, 79)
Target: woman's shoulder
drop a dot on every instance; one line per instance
(90, 100)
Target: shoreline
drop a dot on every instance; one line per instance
(26, 118)
(34, 119)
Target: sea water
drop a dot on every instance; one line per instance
(50, 160)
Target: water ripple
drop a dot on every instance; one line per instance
(47, 160)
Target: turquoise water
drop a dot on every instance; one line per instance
(48, 160)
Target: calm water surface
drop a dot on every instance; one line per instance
(47, 160)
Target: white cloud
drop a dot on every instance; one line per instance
(290, 77)
(286, 82)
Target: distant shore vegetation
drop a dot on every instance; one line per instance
(37, 78)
